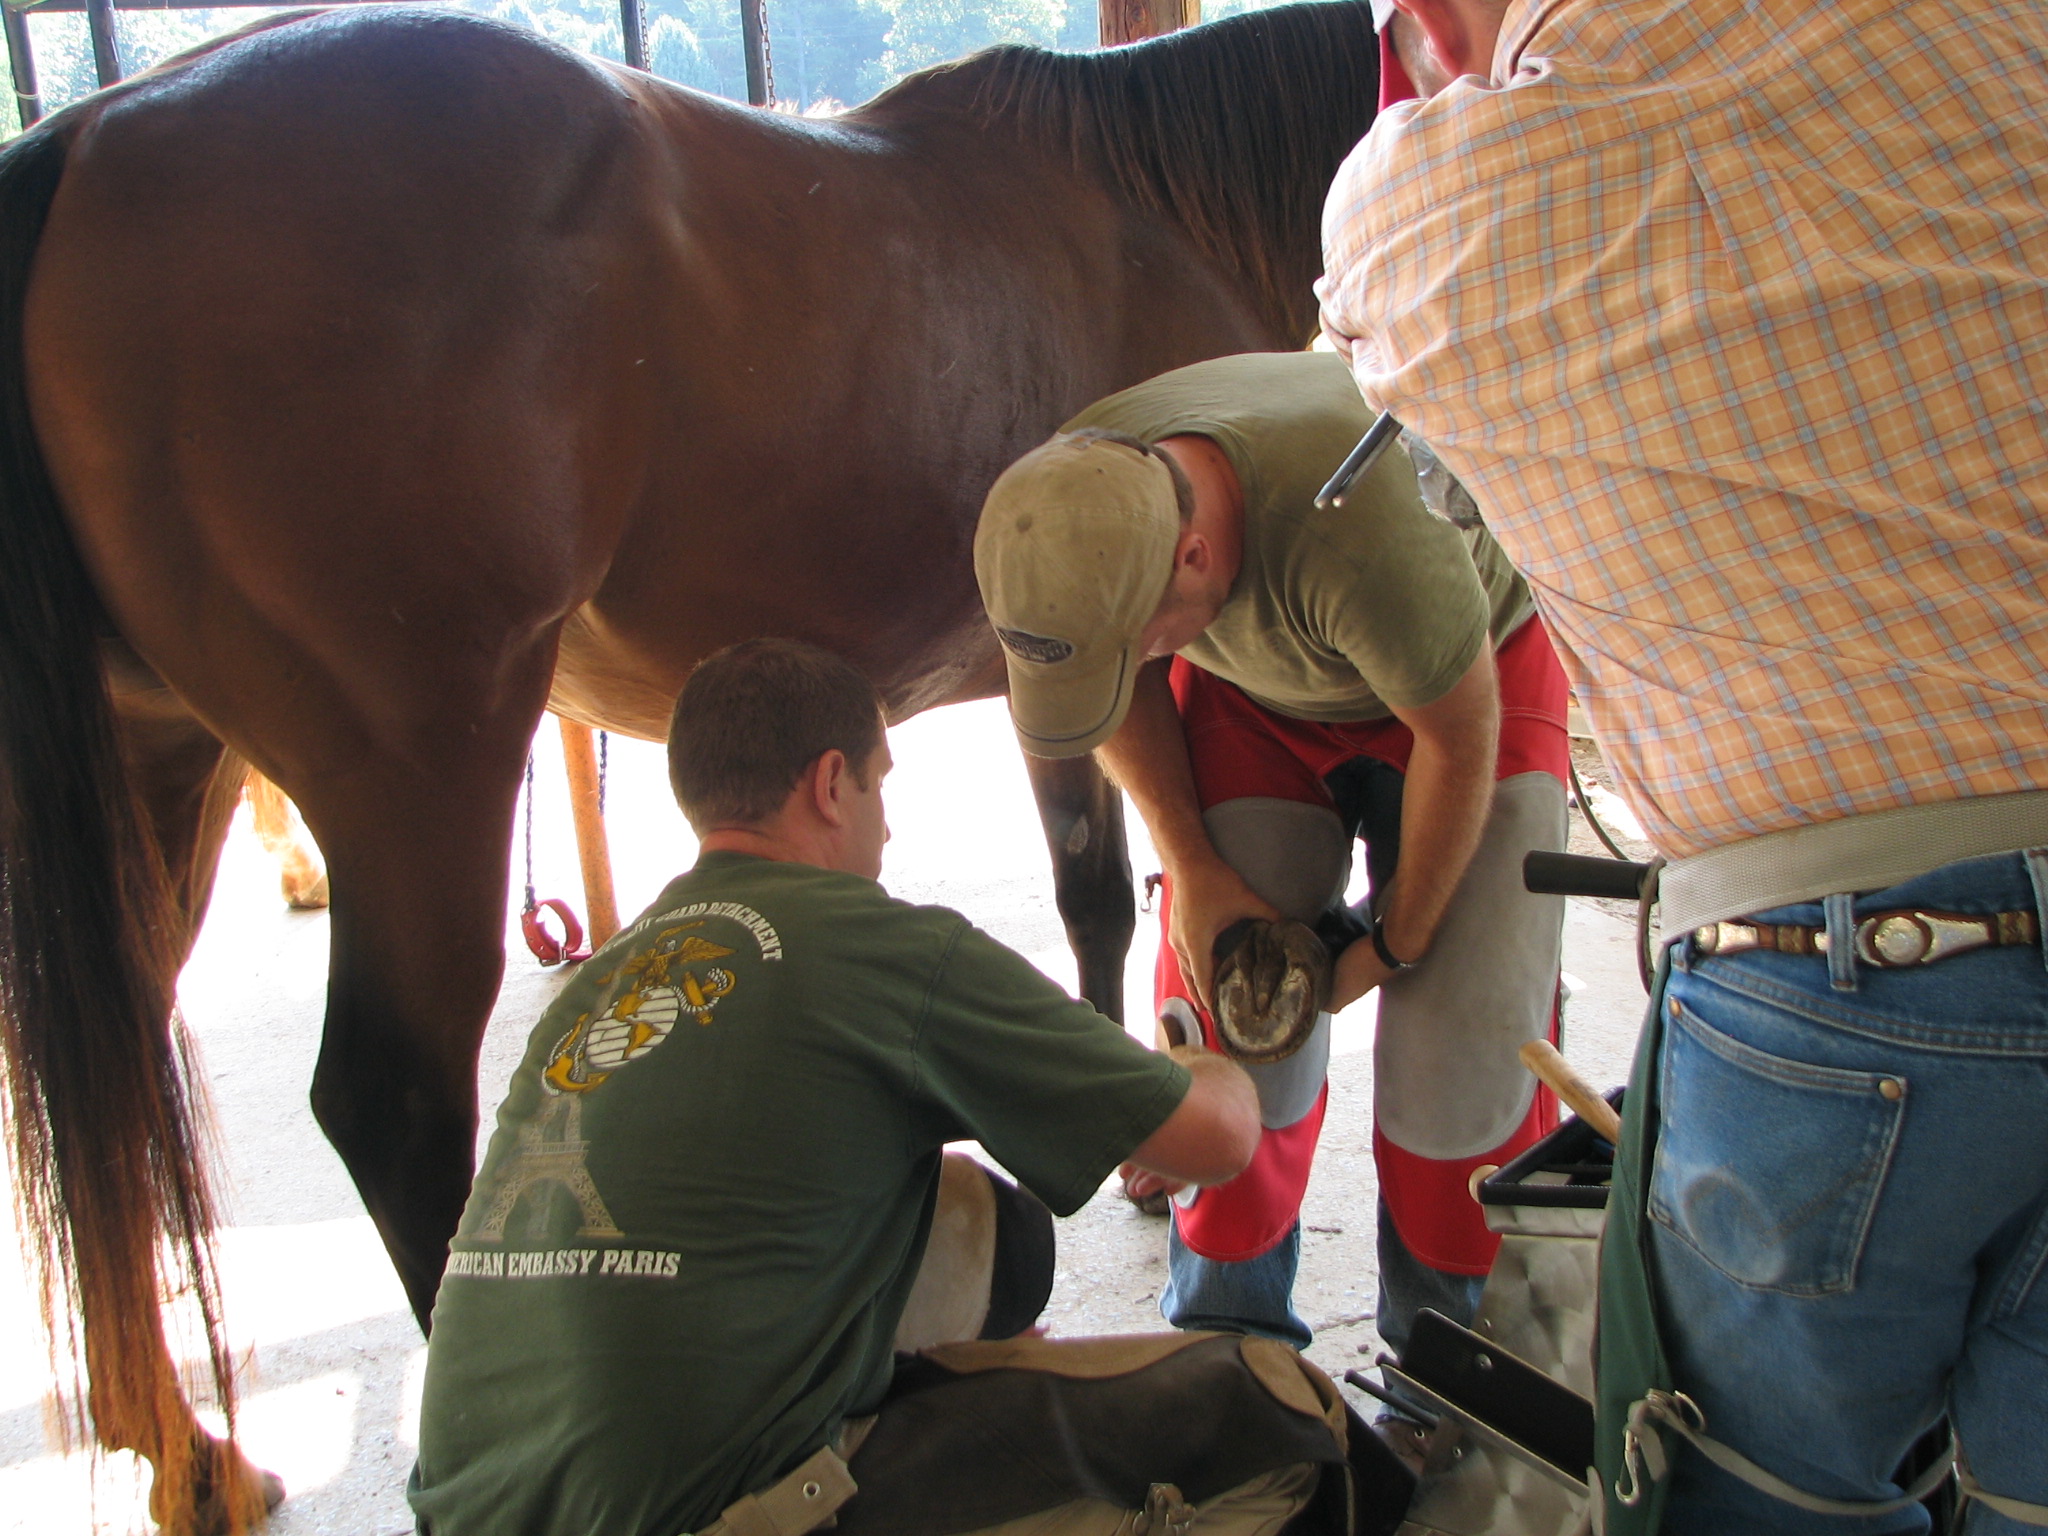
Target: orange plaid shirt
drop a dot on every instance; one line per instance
(1734, 319)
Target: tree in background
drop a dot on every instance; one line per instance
(926, 32)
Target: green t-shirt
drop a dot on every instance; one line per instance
(683, 1261)
(1334, 614)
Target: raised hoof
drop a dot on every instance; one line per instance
(217, 1505)
(1158, 1203)
(1272, 981)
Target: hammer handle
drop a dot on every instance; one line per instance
(1542, 1058)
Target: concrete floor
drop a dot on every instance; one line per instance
(332, 1359)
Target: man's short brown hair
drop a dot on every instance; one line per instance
(753, 717)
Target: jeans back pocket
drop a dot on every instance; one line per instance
(1769, 1169)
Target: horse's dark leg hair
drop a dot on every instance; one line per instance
(1083, 816)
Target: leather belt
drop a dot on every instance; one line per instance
(1889, 940)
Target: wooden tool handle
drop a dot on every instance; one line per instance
(1541, 1057)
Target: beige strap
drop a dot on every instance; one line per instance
(794, 1506)
(1077, 1359)
(2012, 1509)
(1643, 1452)
(1852, 853)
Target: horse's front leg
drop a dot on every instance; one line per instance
(417, 861)
(1083, 816)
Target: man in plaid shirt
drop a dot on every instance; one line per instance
(1733, 319)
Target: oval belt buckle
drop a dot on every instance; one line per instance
(1897, 939)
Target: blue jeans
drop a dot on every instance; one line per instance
(1256, 1295)
(1849, 1211)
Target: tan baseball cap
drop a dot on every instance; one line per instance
(1073, 554)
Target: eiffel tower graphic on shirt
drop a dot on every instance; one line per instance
(546, 1163)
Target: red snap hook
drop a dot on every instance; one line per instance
(547, 949)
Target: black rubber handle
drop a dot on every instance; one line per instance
(1378, 438)
(1574, 874)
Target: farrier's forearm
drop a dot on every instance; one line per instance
(1445, 797)
(1148, 759)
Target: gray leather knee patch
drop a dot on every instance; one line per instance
(1289, 1089)
(1293, 854)
(1447, 1080)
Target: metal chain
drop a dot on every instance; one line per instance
(530, 902)
(767, 56)
(604, 751)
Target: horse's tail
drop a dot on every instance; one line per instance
(108, 1158)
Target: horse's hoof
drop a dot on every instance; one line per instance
(217, 1505)
(1272, 980)
(303, 895)
(1155, 1204)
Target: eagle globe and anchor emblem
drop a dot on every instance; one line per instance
(647, 996)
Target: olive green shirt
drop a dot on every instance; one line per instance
(1336, 613)
(683, 1261)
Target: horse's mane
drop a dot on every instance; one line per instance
(1233, 129)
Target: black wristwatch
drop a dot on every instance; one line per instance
(1378, 935)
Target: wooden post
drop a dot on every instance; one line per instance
(21, 57)
(633, 32)
(106, 41)
(579, 756)
(1130, 21)
(754, 47)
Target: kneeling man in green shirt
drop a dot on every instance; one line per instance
(716, 1209)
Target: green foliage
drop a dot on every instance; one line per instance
(926, 32)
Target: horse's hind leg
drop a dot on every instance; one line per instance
(1083, 816)
(302, 880)
(187, 784)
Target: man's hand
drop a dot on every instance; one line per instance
(1207, 897)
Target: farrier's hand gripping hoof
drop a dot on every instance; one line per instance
(1272, 980)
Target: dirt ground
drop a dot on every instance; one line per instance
(332, 1359)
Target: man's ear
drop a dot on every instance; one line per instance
(1445, 36)
(828, 779)
(1193, 553)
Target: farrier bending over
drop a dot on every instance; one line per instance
(701, 1230)
(1335, 673)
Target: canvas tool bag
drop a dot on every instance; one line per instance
(979, 1433)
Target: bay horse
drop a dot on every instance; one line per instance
(376, 378)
